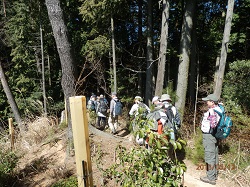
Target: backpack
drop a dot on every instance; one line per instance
(155, 116)
(91, 105)
(224, 125)
(118, 108)
(143, 109)
(173, 117)
(102, 107)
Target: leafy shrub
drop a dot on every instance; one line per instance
(156, 166)
(8, 161)
(236, 84)
(196, 153)
(236, 94)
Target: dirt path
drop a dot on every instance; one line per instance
(192, 177)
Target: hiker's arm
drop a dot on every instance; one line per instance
(133, 110)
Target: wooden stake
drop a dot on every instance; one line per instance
(81, 141)
(12, 134)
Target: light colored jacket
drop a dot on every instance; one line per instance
(135, 107)
(112, 105)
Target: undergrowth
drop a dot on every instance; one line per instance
(195, 152)
(156, 166)
(69, 182)
(8, 161)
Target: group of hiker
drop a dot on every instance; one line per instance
(164, 115)
(215, 124)
(100, 106)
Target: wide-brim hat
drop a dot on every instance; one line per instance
(211, 97)
(165, 97)
(138, 98)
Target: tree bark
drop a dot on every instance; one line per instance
(149, 71)
(163, 48)
(65, 53)
(224, 48)
(194, 65)
(184, 59)
(10, 98)
(113, 52)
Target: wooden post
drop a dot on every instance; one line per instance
(81, 141)
(12, 135)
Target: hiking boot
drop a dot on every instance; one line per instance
(206, 180)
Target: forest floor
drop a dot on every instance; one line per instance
(44, 163)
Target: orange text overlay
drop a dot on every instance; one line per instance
(231, 166)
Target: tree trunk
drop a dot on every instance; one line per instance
(43, 71)
(185, 46)
(194, 66)
(140, 87)
(113, 52)
(10, 98)
(224, 48)
(163, 48)
(149, 71)
(64, 50)
(217, 65)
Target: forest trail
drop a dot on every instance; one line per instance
(43, 165)
(191, 176)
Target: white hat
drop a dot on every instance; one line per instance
(155, 98)
(138, 98)
(165, 97)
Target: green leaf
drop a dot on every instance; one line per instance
(158, 143)
(179, 145)
(182, 141)
(174, 144)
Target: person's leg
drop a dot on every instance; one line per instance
(210, 158)
(98, 122)
(115, 122)
(216, 159)
(102, 123)
(111, 124)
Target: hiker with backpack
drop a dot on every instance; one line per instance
(173, 122)
(91, 105)
(157, 115)
(134, 111)
(115, 111)
(209, 124)
(101, 110)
